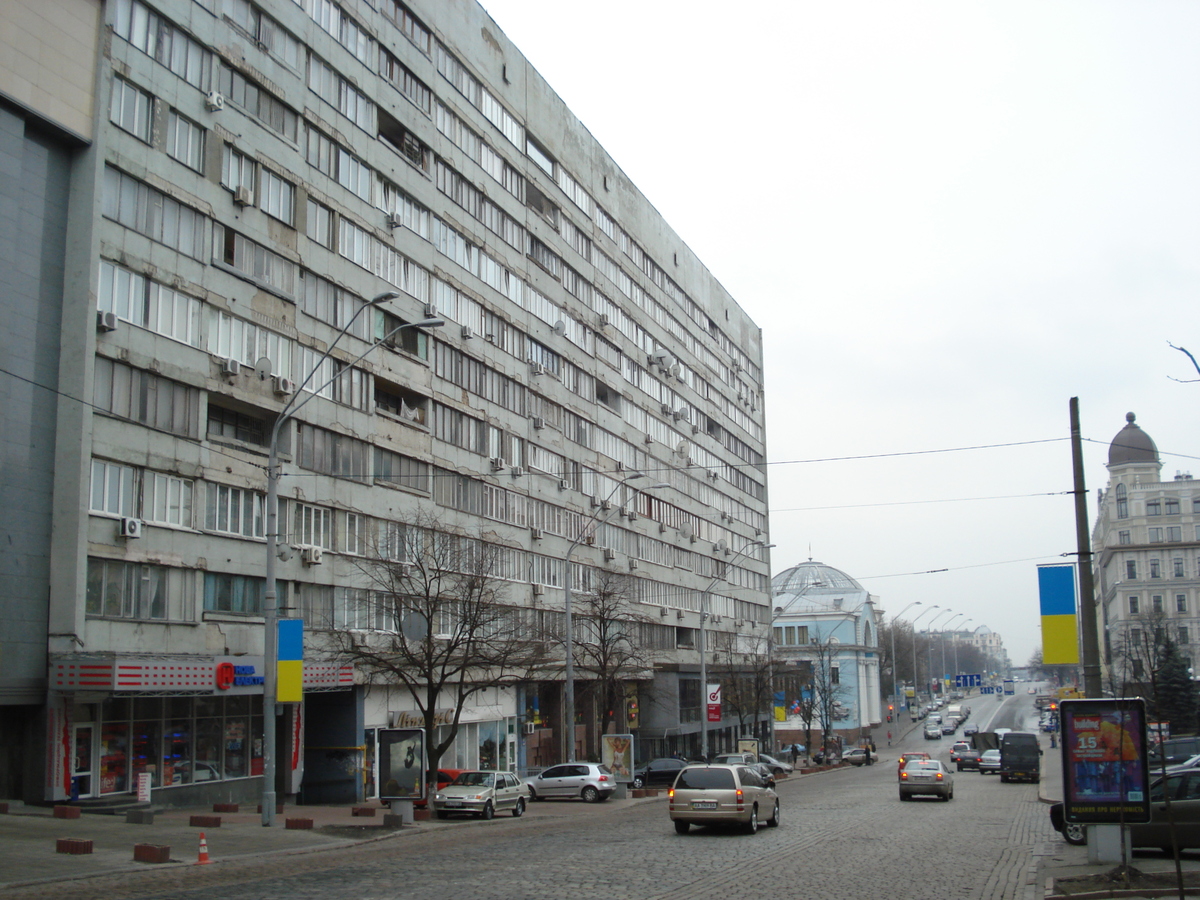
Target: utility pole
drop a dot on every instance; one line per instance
(1090, 642)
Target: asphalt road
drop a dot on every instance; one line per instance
(844, 833)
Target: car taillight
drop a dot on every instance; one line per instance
(604, 778)
(671, 794)
(939, 776)
(740, 798)
(903, 775)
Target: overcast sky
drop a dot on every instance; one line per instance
(948, 219)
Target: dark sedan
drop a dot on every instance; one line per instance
(1183, 789)
(658, 772)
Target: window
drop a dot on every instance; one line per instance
(260, 265)
(232, 338)
(113, 488)
(338, 92)
(1156, 604)
(1174, 533)
(125, 590)
(148, 304)
(159, 39)
(130, 108)
(354, 534)
(146, 398)
(405, 81)
(320, 450)
(1183, 636)
(1155, 535)
(1177, 567)
(237, 169)
(278, 197)
(1123, 537)
(1131, 569)
(318, 223)
(237, 593)
(410, 26)
(1122, 502)
(152, 213)
(233, 510)
(185, 141)
(1171, 506)
(1153, 508)
(257, 102)
(324, 300)
(316, 605)
(313, 526)
(1133, 606)
(1196, 504)
(168, 500)
(1155, 568)
(264, 31)
(393, 468)
(1181, 603)
(230, 425)
(835, 674)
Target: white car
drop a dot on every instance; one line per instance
(926, 776)
(481, 794)
(587, 781)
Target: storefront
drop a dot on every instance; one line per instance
(189, 723)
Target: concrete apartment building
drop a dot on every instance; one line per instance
(1146, 546)
(207, 194)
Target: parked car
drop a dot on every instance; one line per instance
(1175, 751)
(856, 756)
(989, 762)
(908, 757)
(765, 773)
(926, 776)
(587, 781)
(778, 766)
(716, 794)
(735, 759)
(434, 782)
(1184, 791)
(481, 794)
(933, 730)
(657, 771)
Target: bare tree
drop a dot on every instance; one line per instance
(431, 619)
(608, 646)
(827, 687)
(743, 666)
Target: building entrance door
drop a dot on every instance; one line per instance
(83, 755)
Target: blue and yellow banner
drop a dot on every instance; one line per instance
(1060, 623)
(289, 679)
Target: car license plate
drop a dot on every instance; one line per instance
(704, 804)
(452, 803)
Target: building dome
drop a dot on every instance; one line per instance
(1131, 445)
(811, 576)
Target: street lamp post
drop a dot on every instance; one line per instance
(270, 604)
(915, 620)
(568, 625)
(704, 601)
(895, 682)
(929, 632)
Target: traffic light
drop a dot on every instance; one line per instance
(631, 711)
(891, 709)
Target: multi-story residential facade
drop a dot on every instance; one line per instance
(1146, 546)
(259, 184)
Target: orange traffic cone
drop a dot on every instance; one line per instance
(203, 860)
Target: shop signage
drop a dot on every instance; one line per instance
(414, 718)
(193, 675)
(229, 675)
(713, 703)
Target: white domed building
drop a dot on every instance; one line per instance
(826, 644)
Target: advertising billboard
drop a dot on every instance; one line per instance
(401, 763)
(1105, 773)
(616, 752)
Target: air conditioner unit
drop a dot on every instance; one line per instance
(735, 367)
(695, 428)
(231, 367)
(497, 463)
(712, 473)
(431, 311)
(693, 538)
(311, 556)
(649, 439)
(563, 484)
(106, 321)
(662, 527)
(679, 613)
(633, 515)
(666, 409)
(243, 196)
(590, 540)
(538, 589)
(606, 504)
(676, 371)
(595, 500)
(610, 554)
(620, 466)
(131, 528)
(536, 369)
(633, 564)
(529, 728)
(535, 533)
(393, 221)
(467, 332)
(604, 320)
(539, 423)
(284, 386)
(663, 612)
(517, 471)
(623, 511)
(682, 415)
(719, 546)
(214, 101)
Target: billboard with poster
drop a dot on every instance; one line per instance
(1105, 773)
(401, 755)
(616, 752)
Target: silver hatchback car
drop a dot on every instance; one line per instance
(587, 781)
(711, 795)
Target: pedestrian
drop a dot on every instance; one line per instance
(868, 754)
(795, 753)
(889, 739)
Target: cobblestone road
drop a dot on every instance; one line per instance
(844, 833)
